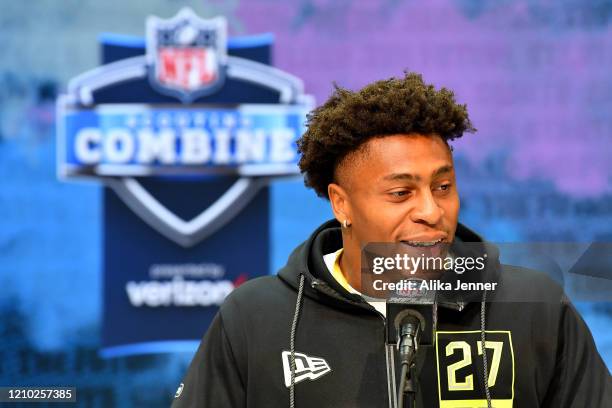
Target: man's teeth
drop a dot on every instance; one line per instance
(423, 243)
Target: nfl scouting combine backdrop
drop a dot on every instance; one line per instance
(185, 130)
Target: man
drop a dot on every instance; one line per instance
(308, 337)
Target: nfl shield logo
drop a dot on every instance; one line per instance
(186, 55)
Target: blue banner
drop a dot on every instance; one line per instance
(140, 139)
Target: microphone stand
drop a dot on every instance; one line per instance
(407, 387)
(408, 345)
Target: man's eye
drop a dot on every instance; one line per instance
(399, 193)
(444, 187)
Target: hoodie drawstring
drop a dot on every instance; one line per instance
(484, 350)
(296, 316)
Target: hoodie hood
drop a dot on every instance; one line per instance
(307, 260)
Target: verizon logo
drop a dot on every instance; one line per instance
(306, 367)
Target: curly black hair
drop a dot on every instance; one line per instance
(393, 106)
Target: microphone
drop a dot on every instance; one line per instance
(413, 325)
(417, 303)
(409, 324)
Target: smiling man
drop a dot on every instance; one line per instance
(397, 188)
(309, 337)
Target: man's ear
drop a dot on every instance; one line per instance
(340, 203)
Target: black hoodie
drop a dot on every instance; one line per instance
(538, 354)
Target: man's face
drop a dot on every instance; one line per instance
(399, 188)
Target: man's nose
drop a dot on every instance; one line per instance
(426, 210)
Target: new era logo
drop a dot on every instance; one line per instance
(306, 367)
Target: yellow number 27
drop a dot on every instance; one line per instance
(468, 383)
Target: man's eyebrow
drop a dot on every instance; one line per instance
(401, 176)
(413, 177)
(443, 170)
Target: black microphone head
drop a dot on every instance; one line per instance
(398, 313)
(409, 316)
